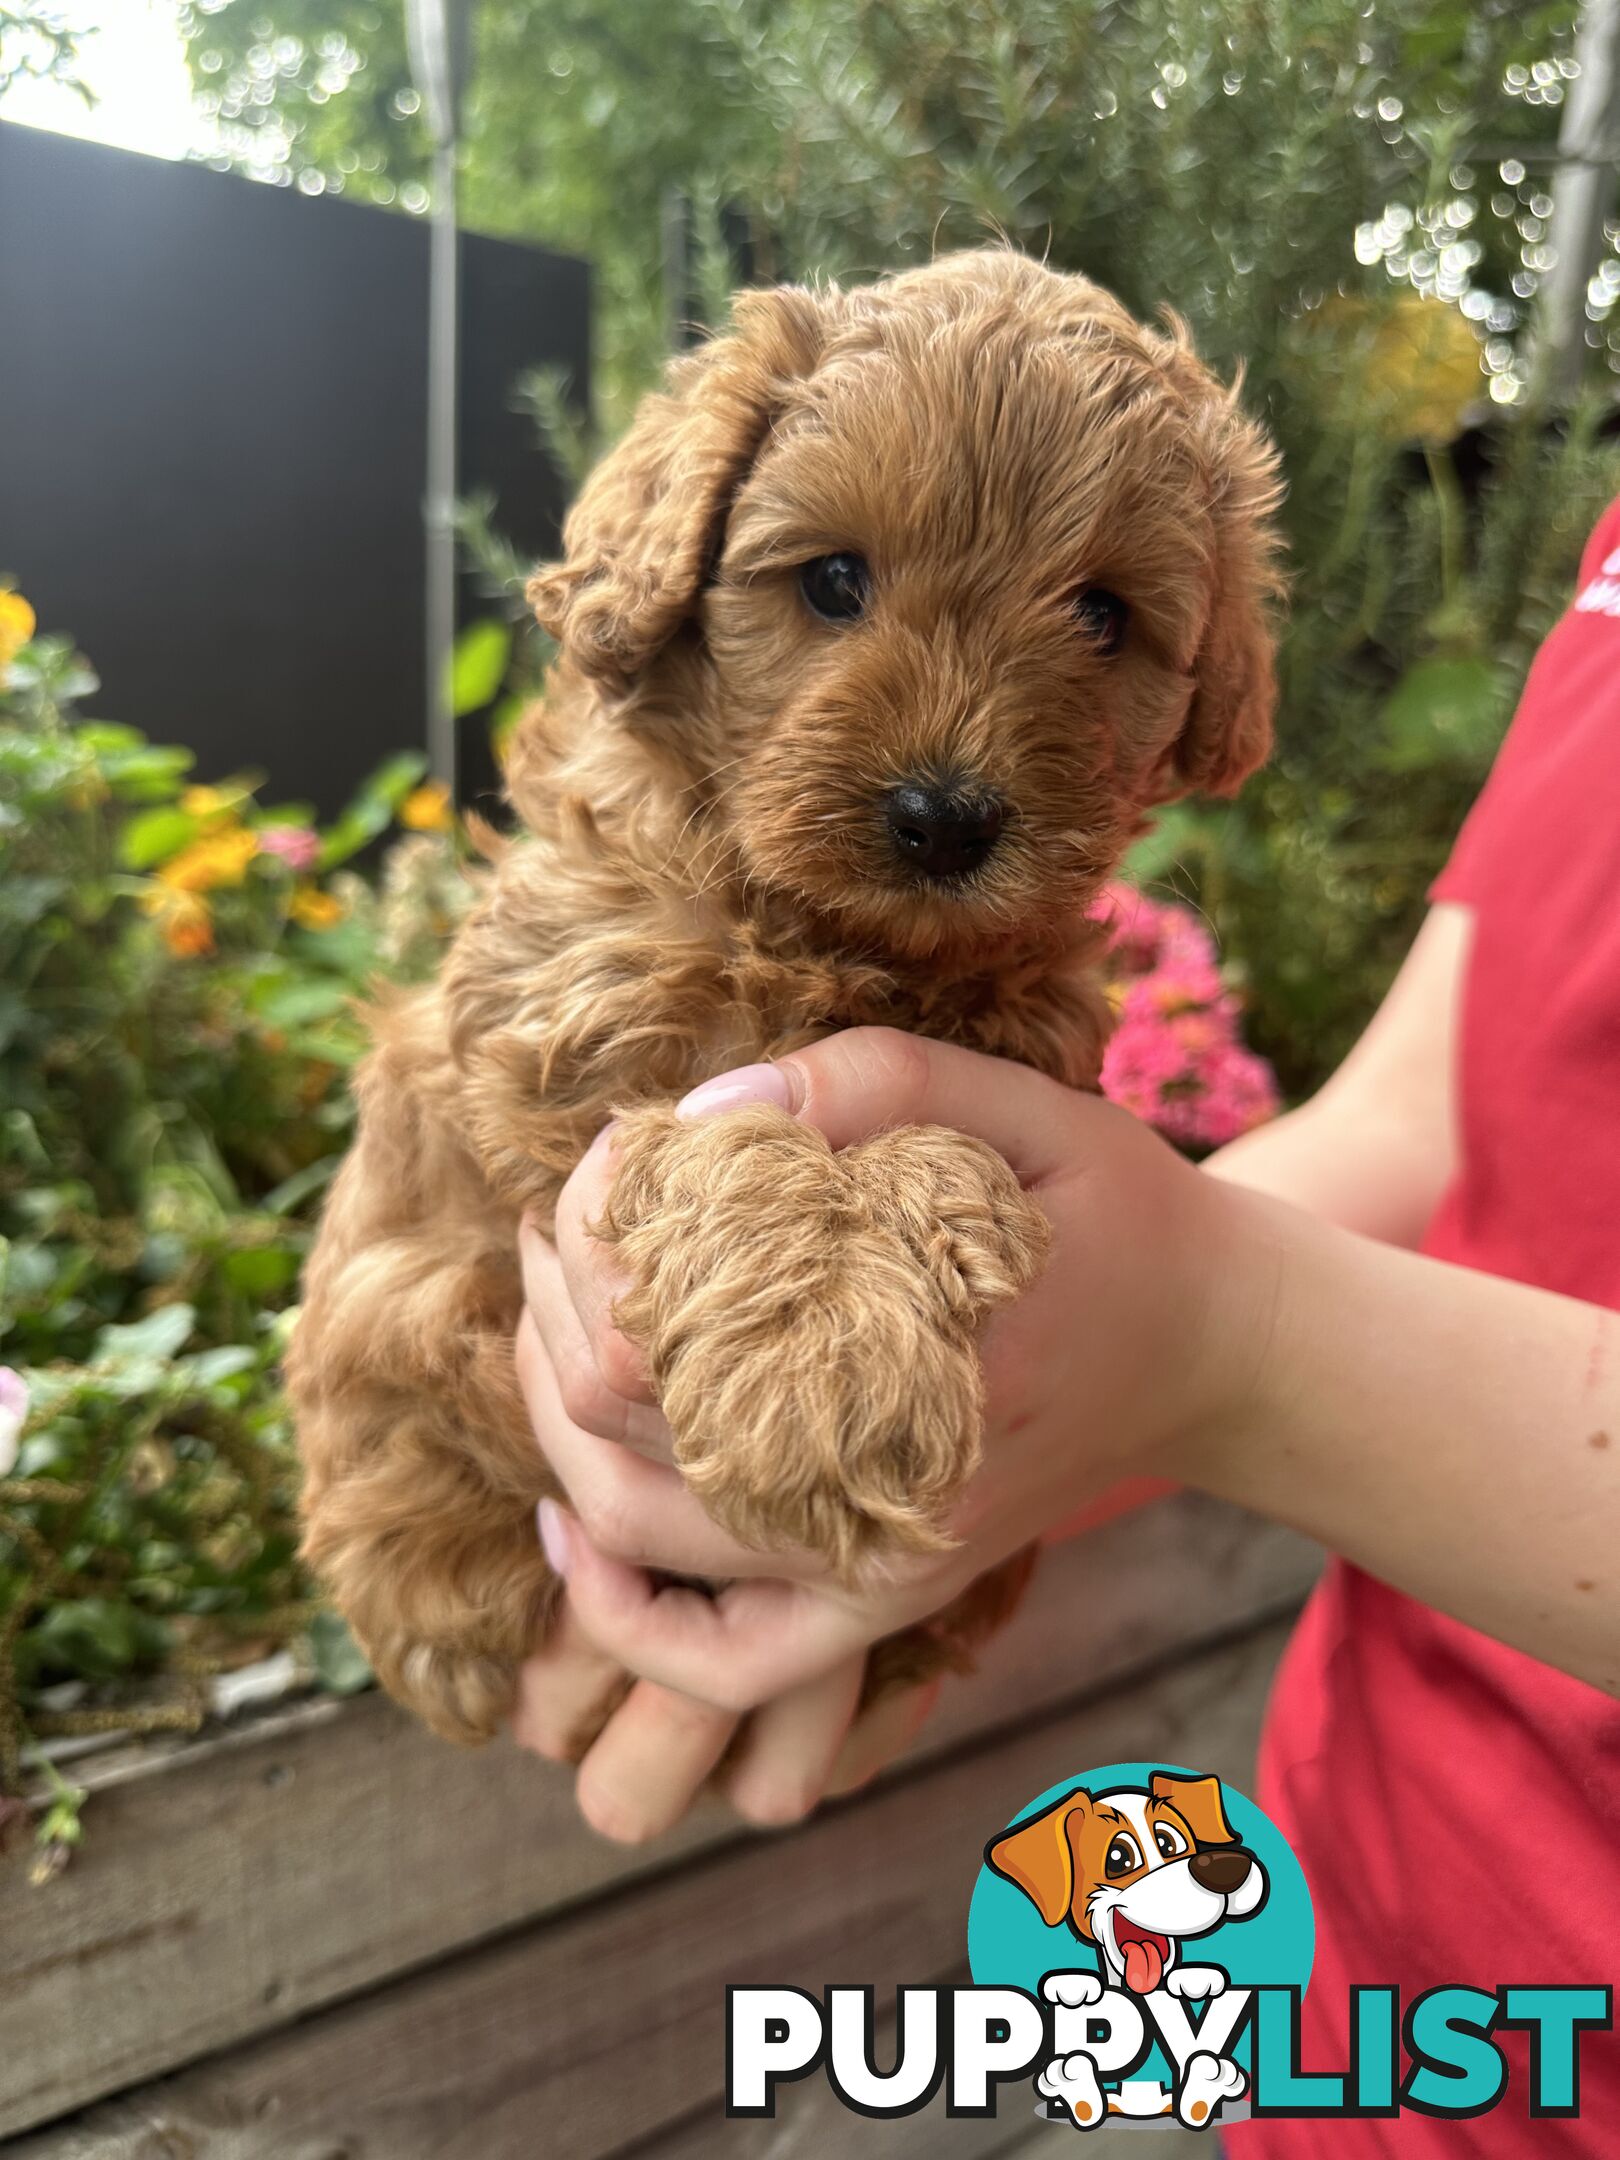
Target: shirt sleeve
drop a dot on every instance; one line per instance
(1466, 871)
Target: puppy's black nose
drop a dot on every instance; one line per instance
(1222, 1872)
(939, 831)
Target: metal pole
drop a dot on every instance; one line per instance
(437, 33)
(1583, 193)
(439, 502)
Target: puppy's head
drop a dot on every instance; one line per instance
(931, 590)
(1135, 1872)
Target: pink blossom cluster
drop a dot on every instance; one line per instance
(296, 845)
(1175, 1057)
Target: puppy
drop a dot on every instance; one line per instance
(880, 634)
(1138, 1873)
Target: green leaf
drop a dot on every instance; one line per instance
(209, 1367)
(478, 664)
(1444, 712)
(339, 1661)
(294, 1191)
(154, 836)
(159, 1335)
(293, 1003)
(394, 778)
(373, 808)
(96, 1637)
(1181, 832)
(260, 1270)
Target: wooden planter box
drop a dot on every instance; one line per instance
(392, 1950)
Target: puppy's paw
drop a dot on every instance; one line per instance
(1072, 2081)
(1196, 1983)
(462, 1695)
(1073, 1990)
(1206, 2082)
(808, 1317)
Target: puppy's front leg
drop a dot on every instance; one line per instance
(809, 1317)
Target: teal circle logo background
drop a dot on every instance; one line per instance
(1009, 1945)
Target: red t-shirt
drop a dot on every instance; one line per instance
(1455, 1804)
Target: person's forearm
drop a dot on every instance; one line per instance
(1376, 1148)
(1351, 1166)
(1456, 1435)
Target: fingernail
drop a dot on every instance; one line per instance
(554, 1537)
(732, 1090)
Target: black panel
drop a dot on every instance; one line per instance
(212, 467)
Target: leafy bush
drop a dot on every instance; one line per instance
(1351, 204)
(179, 966)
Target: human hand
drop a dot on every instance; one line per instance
(1110, 1365)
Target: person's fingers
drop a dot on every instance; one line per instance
(590, 1268)
(566, 1689)
(786, 1751)
(734, 1650)
(654, 1756)
(629, 1508)
(869, 1080)
(879, 1736)
(612, 1402)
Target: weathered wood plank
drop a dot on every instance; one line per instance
(228, 1886)
(599, 2030)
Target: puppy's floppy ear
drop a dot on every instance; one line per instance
(1228, 729)
(1198, 1801)
(643, 535)
(1039, 1858)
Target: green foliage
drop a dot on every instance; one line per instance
(39, 44)
(1214, 155)
(1290, 176)
(176, 1030)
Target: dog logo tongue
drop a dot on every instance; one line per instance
(1144, 1956)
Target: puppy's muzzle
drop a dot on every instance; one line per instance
(941, 833)
(1220, 1872)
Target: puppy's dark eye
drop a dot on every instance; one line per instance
(1102, 615)
(837, 587)
(1122, 1856)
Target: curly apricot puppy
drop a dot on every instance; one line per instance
(880, 634)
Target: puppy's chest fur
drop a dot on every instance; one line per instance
(580, 989)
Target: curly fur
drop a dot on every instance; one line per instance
(705, 879)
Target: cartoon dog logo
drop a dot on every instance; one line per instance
(1137, 1873)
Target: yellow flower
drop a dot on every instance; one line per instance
(1414, 363)
(314, 909)
(218, 859)
(16, 626)
(211, 804)
(427, 808)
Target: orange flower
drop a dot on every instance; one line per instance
(220, 859)
(314, 909)
(427, 808)
(187, 926)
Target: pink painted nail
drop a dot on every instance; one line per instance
(554, 1537)
(734, 1090)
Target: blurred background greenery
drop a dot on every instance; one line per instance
(1349, 203)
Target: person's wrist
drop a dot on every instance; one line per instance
(1238, 1355)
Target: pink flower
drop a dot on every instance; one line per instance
(13, 1409)
(1176, 1058)
(297, 847)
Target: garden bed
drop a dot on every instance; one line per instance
(230, 1885)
